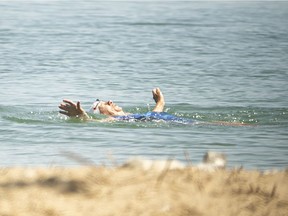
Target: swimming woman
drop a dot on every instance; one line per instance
(114, 112)
(110, 109)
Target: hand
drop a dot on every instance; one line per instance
(157, 95)
(71, 109)
(159, 99)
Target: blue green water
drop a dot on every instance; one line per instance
(214, 61)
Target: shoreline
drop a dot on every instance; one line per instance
(136, 190)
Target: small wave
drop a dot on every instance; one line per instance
(222, 144)
(31, 117)
(249, 115)
(165, 24)
(22, 120)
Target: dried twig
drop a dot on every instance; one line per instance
(188, 158)
(164, 172)
(77, 158)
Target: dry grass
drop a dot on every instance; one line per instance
(132, 191)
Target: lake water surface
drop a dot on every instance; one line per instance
(214, 61)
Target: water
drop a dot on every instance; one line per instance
(214, 61)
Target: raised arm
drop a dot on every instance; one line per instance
(73, 110)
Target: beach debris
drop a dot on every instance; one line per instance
(212, 161)
(157, 165)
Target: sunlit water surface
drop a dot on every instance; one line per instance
(214, 61)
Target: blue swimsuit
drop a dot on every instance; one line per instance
(150, 116)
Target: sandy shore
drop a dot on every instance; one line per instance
(134, 191)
